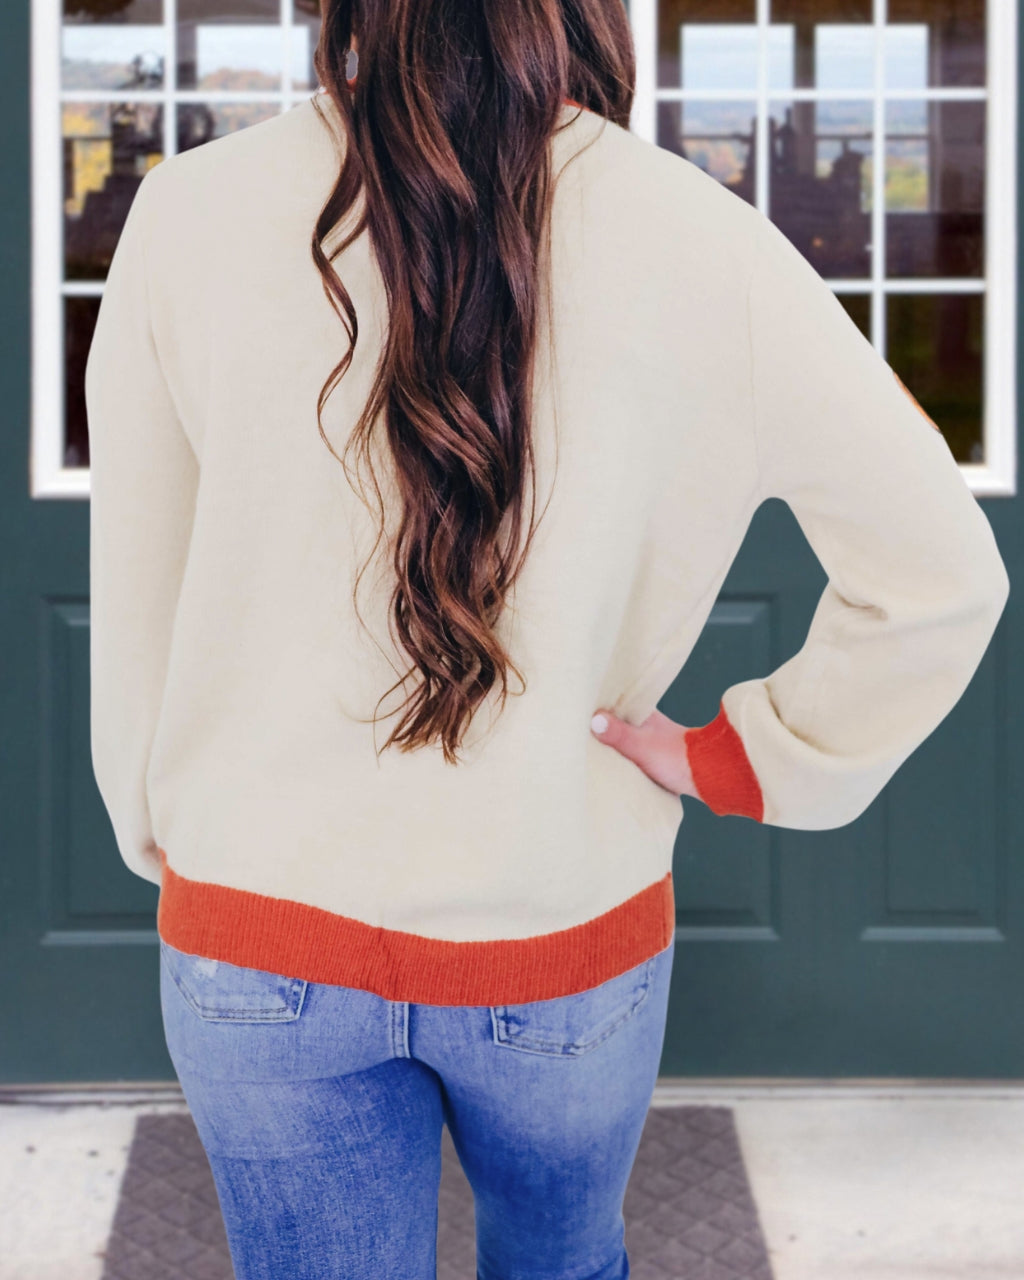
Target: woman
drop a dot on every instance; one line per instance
(460, 268)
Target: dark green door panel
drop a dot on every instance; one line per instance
(77, 936)
(893, 946)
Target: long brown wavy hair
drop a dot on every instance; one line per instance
(447, 123)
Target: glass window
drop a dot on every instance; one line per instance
(861, 128)
(789, 103)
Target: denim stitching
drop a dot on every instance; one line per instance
(294, 1001)
(531, 1042)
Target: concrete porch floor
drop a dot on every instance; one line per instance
(864, 1180)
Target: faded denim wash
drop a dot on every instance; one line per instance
(321, 1108)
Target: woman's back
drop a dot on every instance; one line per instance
(698, 366)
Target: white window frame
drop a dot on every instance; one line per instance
(995, 477)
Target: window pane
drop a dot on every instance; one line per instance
(200, 122)
(821, 44)
(79, 322)
(819, 188)
(935, 188)
(935, 345)
(236, 47)
(707, 44)
(932, 43)
(107, 45)
(858, 308)
(306, 18)
(716, 136)
(108, 146)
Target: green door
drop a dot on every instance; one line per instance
(893, 946)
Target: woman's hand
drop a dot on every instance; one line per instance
(656, 746)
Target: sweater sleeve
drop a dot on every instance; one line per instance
(143, 480)
(916, 584)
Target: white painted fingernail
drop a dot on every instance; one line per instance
(599, 723)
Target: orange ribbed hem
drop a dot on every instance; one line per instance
(301, 941)
(722, 772)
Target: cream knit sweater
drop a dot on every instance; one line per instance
(701, 365)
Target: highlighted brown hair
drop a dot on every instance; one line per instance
(447, 126)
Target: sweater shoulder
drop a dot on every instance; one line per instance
(222, 187)
(288, 162)
(224, 158)
(663, 211)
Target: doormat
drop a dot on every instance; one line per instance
(689, 1210)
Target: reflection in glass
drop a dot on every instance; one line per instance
(820, 182)
(117, 45)
(781, 56)
(79, 321)
(718, 56)
(702, 45)
(200, 122)
(108, 146)
(935, 346)
(828, 44)
(935, 188)
(306, 20)
(716, 136)
(242, 49)
(844, 56)
(935, 43)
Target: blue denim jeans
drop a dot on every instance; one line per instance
(320, 1109)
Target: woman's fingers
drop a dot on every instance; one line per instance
(657, 747)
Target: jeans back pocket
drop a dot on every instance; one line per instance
(567, 1026)
(218, 991)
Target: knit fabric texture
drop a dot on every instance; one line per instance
(695, 366)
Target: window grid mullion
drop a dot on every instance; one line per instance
(285, 19)
(878, 170)
(170, 88)
(762, 156)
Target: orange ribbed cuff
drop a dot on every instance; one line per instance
(722, 773)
